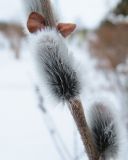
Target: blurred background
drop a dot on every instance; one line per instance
(32, 127)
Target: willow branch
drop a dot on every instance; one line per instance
(80, 120)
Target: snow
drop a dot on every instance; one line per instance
(21, 123)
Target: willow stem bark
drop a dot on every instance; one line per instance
(77, 112)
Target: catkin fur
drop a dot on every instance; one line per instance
(52, 55)
(55, 64)
(105, 131)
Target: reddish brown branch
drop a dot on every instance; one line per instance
(80, 120)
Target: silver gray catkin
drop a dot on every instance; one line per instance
(52, 54)
(55, 61)
(105, 131)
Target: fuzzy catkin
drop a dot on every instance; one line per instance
(104, 131)
(55, 64)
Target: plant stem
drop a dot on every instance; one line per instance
(80, 120)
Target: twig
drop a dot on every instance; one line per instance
(79, 117)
